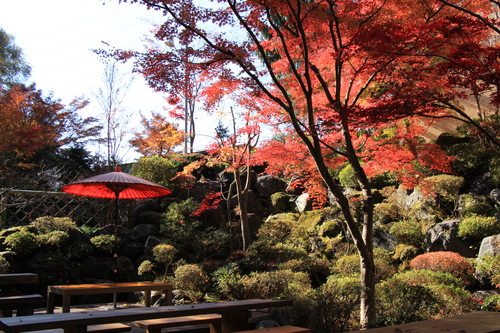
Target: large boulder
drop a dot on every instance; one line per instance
(280, 202)
(151, 242)
(489, 246)
(303, 202)
(443, 237)
(266, 185)
(384, 240)
(141, 232)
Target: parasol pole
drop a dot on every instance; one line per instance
(115, 255)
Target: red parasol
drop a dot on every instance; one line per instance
(116, 185)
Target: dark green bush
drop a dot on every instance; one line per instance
(478, 227)
(475, 205)
(488, 267)
(317, 269)
(445, 191)
(227, 280)
(275, 254)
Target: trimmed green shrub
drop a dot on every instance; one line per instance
(106, 244)
(5, 267)
(165, 254)
(478, 227)
(348, 266)
(317, 269)
(337, 304)
(398, 302)
(410, 232)
(450, 291)
(275, 254)
(162, 171)
(22, 242)
(386, 212)
(191, 277)
(47, 224)
(347, 177)
(53, 239)
(445, 261)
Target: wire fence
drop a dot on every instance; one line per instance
(21, 207)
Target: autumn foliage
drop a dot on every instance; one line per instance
(34, 121)
(445, 261)
(158, 136)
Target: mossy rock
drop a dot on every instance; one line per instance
(280, 202)
(404, 253)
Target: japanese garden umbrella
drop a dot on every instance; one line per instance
(116, 185)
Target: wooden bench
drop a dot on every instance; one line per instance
(155, 325)
(234, 314)
(104, 328)
(280, 329)
(23, 304)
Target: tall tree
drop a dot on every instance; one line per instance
(320, 64)
(115, 119)
(13, 67)
(158, 137)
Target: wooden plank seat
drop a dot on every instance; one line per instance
(280, 329)
(155, 325)
(23, 304)
(103, 328)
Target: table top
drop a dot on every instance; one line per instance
(18, 278)
(109, 287)
(65, 320)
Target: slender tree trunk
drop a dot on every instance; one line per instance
(242, 195)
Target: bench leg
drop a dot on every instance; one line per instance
(25, 311)
(168, 297)
(66, 303)
(235, 321)
(147, 298)
(216, 327)
(51, 302)
(5, 313)
(153, 330)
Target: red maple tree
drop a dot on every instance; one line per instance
(347, 78)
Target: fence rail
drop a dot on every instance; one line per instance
(20, 207)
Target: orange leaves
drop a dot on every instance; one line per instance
(158, 137)
(29, 122)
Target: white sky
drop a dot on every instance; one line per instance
(57, 37)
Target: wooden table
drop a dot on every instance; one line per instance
(66, 291)
(235, 315)
(8, 280)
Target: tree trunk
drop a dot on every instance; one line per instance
(242, 195)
